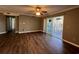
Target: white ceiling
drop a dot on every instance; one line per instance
(30, 9)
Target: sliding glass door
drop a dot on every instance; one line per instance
(54, 26)
(57, 26)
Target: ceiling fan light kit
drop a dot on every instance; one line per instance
(38, 13)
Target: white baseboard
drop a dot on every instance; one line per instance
(30, 31)
(71, 43)
(2, 32)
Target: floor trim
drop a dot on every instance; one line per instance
(30, 31)
(76, 45)
(2, 32)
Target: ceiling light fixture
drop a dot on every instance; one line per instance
(38, 11)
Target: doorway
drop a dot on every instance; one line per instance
(10, 23)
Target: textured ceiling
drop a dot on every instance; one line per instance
(30, 9)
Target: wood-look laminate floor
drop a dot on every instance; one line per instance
(37, 43)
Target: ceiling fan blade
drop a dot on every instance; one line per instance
(44, 11)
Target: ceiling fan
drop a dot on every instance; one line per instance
(39, 11)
